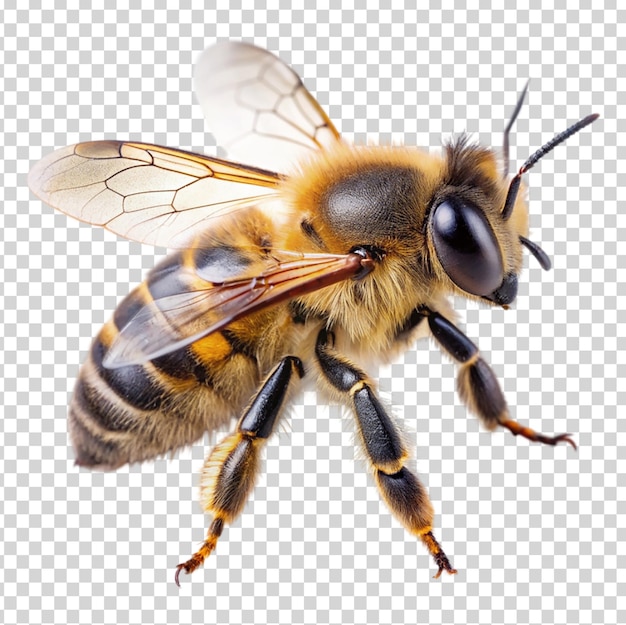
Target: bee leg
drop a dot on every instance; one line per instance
(401, 490)
(477, 383)
(230, 470)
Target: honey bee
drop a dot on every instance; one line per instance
(348, 255)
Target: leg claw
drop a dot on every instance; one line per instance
(190, 566)
(449, 569)
(566, 438)
(521, 430)
(178, 569)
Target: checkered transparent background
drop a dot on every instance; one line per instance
(537, 533)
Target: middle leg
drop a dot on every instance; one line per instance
(401, 490)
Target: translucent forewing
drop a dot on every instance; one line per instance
(174, 321)
(257, 107)
(144, 192)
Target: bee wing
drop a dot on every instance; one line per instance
(257, 107)
(145, 192)
(177, 320)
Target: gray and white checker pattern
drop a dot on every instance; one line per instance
(537, 533)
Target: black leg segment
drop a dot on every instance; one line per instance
(339, 372)
(380, 435)
(451, 338)
(260, 417)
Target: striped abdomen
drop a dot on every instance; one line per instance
(137, 412)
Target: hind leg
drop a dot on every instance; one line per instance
(230, 470)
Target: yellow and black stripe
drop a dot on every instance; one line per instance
(136, 412)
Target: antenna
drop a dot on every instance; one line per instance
(540, 153)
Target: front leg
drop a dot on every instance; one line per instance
(400, 488)
(477, 383)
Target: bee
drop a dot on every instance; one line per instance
(347, 255)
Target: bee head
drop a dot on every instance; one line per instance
(477, 221)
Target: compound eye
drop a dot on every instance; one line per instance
(466, 247)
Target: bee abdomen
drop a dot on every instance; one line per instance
(137, 412)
